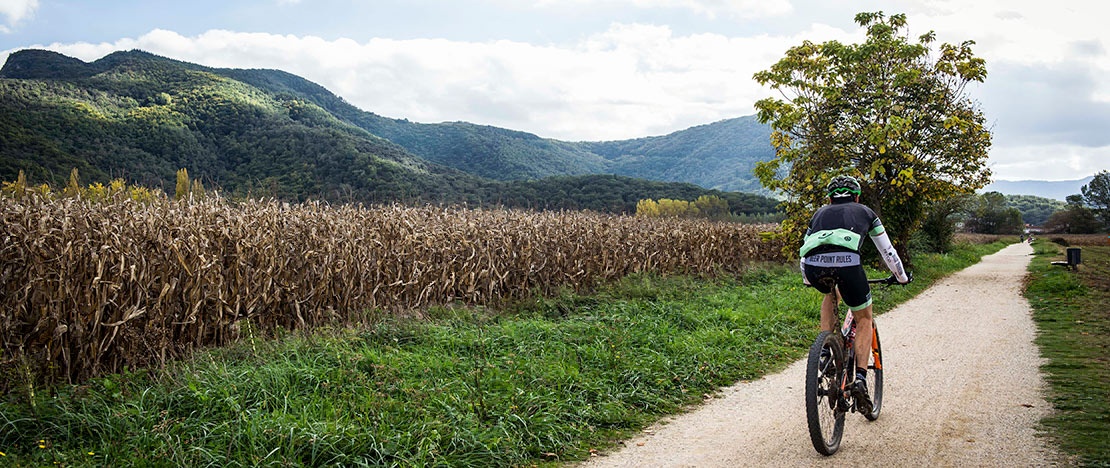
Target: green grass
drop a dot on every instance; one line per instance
(1074, 335)
(544, 382)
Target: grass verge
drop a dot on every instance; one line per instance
(1074, 336)
(549, 381)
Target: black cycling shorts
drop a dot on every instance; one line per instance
(851, 280)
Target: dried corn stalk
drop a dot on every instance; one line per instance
(90, 287)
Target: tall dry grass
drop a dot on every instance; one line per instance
(976, 238)
(93, 287)
(1062, 239)
(1078, 239)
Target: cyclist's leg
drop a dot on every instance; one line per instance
(828, 310)
(863, 336)
(857, 294)
(824, 280)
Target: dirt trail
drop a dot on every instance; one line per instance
(962, 388)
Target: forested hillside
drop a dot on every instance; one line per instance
(490, 152)
(721, 155)
(1035, 210)
(140, 117)
(617, 194)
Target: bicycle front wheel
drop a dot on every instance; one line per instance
(823, 392)
(875, 379)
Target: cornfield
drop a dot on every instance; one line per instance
(91, 287)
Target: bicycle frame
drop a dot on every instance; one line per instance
(848, 334)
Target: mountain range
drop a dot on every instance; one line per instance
(1056, 190)
(139, 116)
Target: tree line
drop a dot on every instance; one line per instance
(994, 213)
(1086, 212)
(894, 112)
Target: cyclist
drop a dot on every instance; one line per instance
(831, 264)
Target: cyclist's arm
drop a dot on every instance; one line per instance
(890, 256)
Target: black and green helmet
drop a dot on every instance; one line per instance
(843, 186)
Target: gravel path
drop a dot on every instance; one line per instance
(962, 388)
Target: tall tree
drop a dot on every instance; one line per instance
(990, 214)
(1076, 218)
(890, 111)
(939, 227)
(1096, 194)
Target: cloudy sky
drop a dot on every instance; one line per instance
(608, 69)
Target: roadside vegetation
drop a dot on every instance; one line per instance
(1074, 336)
(544, 381)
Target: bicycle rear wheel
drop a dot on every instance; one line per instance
(875, 379)
(823, 382)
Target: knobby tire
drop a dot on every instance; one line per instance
(875, 376)
(825, 419)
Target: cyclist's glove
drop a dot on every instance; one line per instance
(892, 279)
(909, 278)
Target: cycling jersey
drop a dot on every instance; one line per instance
(830, 251)
(840, 227)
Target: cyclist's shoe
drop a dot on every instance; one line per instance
(826, 355)
(859, 393)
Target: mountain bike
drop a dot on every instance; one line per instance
(830, 373)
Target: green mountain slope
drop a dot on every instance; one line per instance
(485, 151)
(721, 155)
(1034, 210)
(616, 194)
(140, 117)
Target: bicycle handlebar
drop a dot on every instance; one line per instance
(890, 280)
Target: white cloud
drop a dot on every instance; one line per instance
(1042, 90)
(15, 11)
(1048, 162)
(743, 9)
(630, 81)
(1028, 33)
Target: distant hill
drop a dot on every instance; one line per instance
(486, 151)
(140, 117)
(719, 155)
(1034, 210)
(1057, 190)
